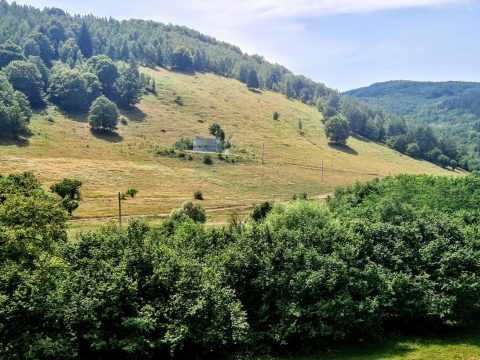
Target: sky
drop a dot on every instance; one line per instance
(343, 43)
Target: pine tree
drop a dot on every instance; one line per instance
(84, 42)
(252, 81)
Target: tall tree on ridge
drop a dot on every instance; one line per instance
(252, 81)
(84, 41)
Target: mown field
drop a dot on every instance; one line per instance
(61, 145)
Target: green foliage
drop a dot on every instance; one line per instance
(337, 130)
(207, 159)
(184, 144)
(67, 188)
(216, 130)
(252, 80)
(103, 115)
(444, 160)
(73, 89)
(84, 41)
(172, 153)
(106, 71)
(398, 253)
(276, 115)
(9, 52)
(26, 78)
(302, 196)
(413, 150)
(182, 59)
(453, 164)
(128, 89)
(70, 53)
(131, 192)
(38, 44)
(261, 211)
(191, 211)
(15, 112)
(447, 114)
(69, 191)
(198, 195)
(69, 205)
(32, 228)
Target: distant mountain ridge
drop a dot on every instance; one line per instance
(407, 98)
(452, 108)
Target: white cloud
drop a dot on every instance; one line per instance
(304, 8)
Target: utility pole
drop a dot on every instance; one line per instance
(263, 153)
(120, 209)
(322, 170)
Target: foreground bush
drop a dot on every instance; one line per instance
(375, 258)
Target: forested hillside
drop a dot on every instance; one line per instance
(452, 109)
(52, 41)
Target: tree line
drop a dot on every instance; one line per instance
(390, 255)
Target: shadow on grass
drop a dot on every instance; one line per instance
(256, 91)
(134, 114)
(183, 72)
(395, 347)
(22, 141)
(344, 148)
(75, 116)
(361, 138)
(109, 136)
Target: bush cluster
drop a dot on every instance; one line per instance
(386, 255)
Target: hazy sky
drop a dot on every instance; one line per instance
(343, 43)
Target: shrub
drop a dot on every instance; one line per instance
(173, 154)
(302, 196)
(276, 115)
(132, 192)
(198, 195)
(184, 144)
(444, 160)
(192, 211)
(179, 100)
(413, 150)
(399, 253)
(261, 211)
(123, 120)
(207, 159)
(453, 164)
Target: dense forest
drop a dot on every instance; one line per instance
(451, 108)
(61, 46)
(390, 255)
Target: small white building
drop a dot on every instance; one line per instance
(206, 145)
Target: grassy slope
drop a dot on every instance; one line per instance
(66, 148)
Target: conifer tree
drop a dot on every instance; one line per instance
(252, 81)
(84, 41)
